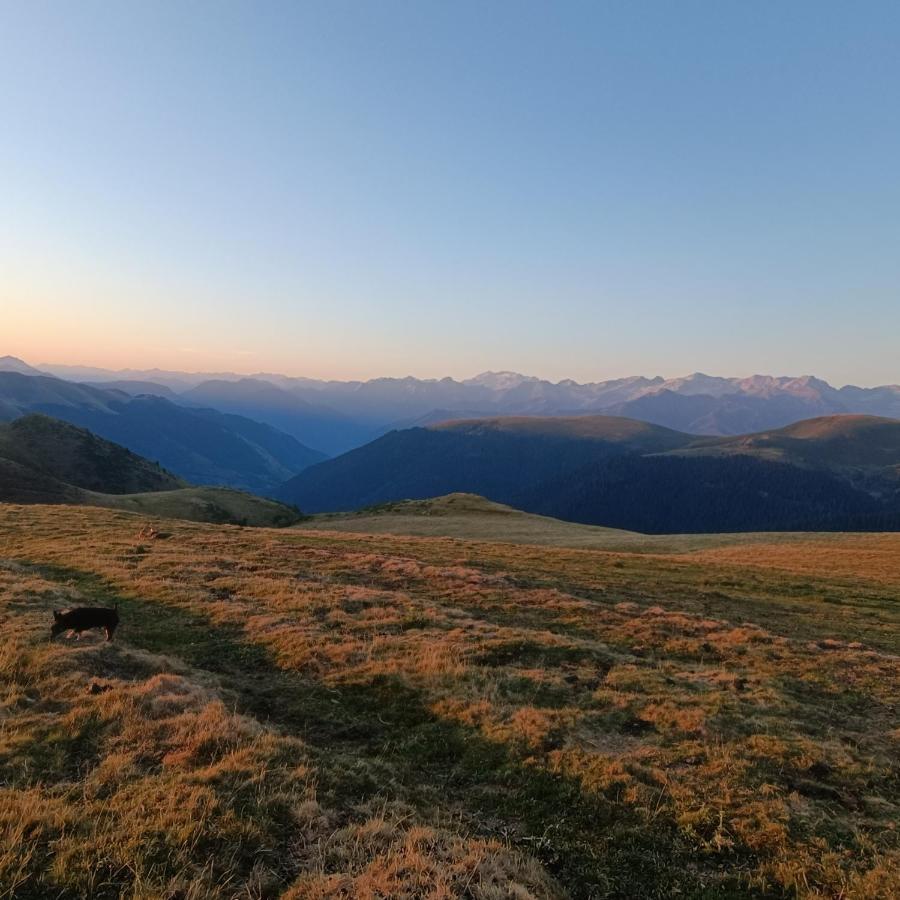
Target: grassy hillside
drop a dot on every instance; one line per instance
(75, 456)
(635, 435)
(828, 441)
(837, 473)
(43, 460)
(496, 458)
(21, 484)
(468, 517)
(314, 714)
(203, 504)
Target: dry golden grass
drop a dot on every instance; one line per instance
(143, 782)
(334, 715)
(870, 557)
(470, 517)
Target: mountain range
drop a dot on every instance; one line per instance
(336, 416)
(831, 473)
(641, 468)
(203, 446)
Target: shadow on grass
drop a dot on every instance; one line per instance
(379, 740)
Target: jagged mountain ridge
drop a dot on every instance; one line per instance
(336, 416)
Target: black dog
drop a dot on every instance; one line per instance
(83, 618)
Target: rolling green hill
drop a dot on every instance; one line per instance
(22, 484)
(492, 457)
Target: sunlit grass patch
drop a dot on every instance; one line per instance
(387, 714)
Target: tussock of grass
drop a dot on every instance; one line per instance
(340, 715)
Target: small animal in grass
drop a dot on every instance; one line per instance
(83, 618)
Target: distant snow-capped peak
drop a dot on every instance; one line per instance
(500, 381)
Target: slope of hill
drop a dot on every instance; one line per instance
(203, 446)
(20, 483)
(492, 457)
(470, 517)
(320, 715)
(315, 424)
(843, 474)
(44, 460)
(829, 441)
(73, 455)
(14, 364)
(694, 494)
(603, 432)
(135, 388)
(221, 506)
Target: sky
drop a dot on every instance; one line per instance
(342, 189)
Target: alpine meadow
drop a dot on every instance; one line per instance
(449, 451)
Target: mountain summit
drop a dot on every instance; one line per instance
(14, 364)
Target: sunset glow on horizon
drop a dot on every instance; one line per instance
(350, 191)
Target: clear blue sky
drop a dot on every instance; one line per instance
(351, 189)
